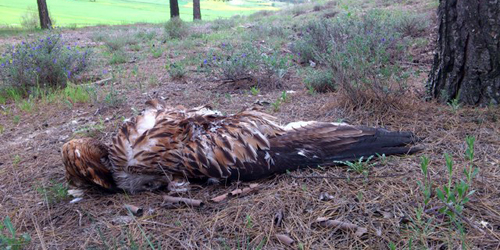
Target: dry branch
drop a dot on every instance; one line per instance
(137, 211)
(325, 222)
(170, 201)
(254, 187)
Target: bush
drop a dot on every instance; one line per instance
(45, 62)
(146, 35)
(117, 41)
(234, 64)
(413, 24)
(275, 67)
(222, 24)
(30, 20)
(363, 54)
(320, 80)
(118, 57)
(176, 70)
(114, 43)
(176, 28)
(315, 40)
(230, 63)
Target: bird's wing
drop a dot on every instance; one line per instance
(195, 143)
(86, 162)
(201, 143)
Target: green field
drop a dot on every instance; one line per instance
(85, 12)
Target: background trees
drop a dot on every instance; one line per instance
(467, 65)
(196, 10)
(43, 12)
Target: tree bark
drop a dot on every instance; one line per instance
(174, 8)
(467, 63)
(43, 13)
(196, 10)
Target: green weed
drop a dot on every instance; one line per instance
(53, 193)
(360, 166)
(248, 221)
(113, 98)
(16, 160)
(93, 130)
(254, 90)
(11, 240)
(26, 105)
(176, 70)
(454, 105)
(175, 28)
(16, 119)
(118, 57)
(77, 93)
(454, 194)
(156, 51)
(320, 80)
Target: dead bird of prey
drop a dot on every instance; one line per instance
(166, 146)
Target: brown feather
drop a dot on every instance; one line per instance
(84, 161)
(200, 143)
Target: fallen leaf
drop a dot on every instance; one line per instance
(285, 239)
(325, 222)
(219, 198)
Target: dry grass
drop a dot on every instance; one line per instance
(384, 203)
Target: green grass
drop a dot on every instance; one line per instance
(85, 12)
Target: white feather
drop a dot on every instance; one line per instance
(299, 124)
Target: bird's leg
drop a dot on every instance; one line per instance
(178, 184)
(213, 181)
(77, 193)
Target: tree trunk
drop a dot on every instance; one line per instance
(196, 10)
(174, 8)
(467, 63)
(43, 13)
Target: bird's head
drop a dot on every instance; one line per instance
(135, 183)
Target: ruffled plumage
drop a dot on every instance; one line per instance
(165, 144)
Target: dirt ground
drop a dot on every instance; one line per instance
(385, 203)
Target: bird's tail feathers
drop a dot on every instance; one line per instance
(328, 144)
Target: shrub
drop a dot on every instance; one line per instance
(146, 35)
(45, 62)
(176, 70)
(234, 64)
(412, 24)
(320, 80)
(260, 14)
(176, 28)
(363, 54)
(275, 67)
(230, 63)
(265, 32)
(315, 40)
(117, 41)
(118, 57)
(222, 23)
(30, 20)
(114, 43)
